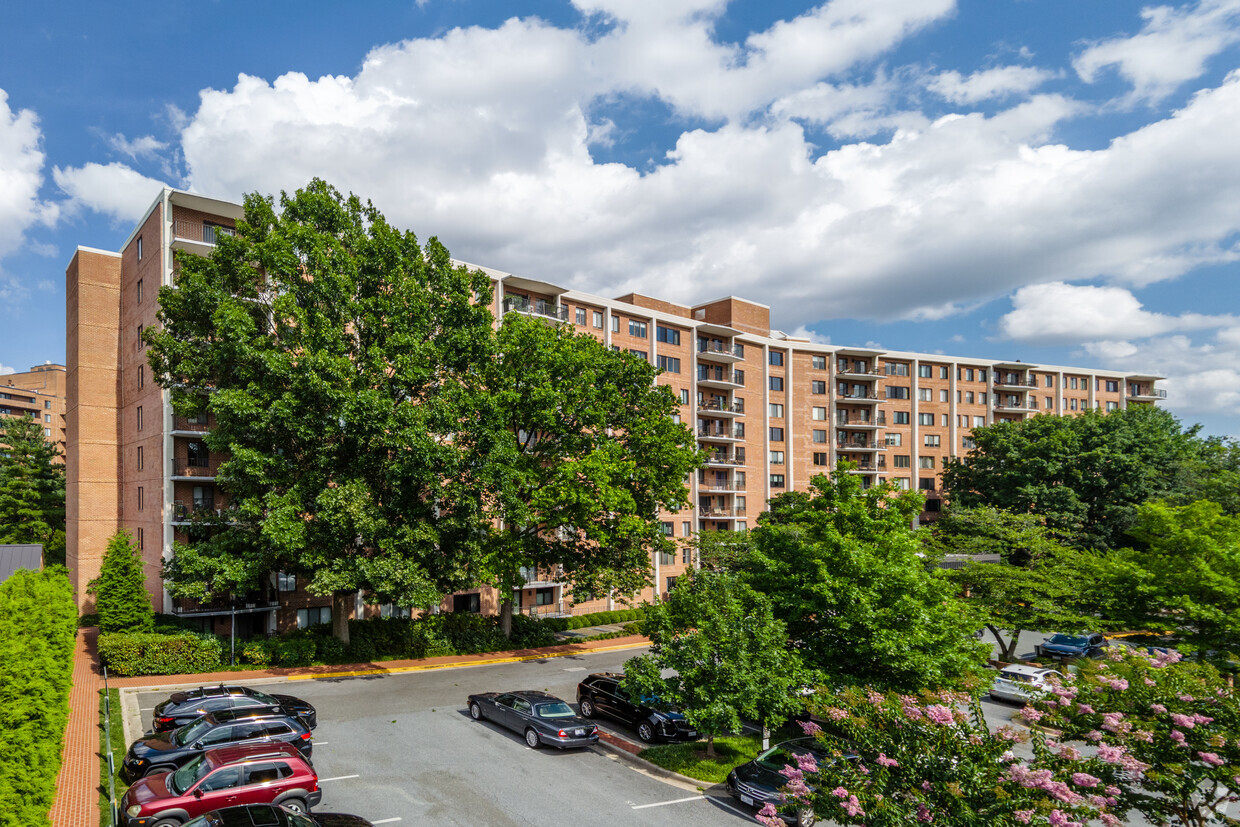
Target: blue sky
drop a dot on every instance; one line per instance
(1052, 181)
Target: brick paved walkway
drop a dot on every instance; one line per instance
(77, 786)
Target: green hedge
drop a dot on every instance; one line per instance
(605, 618)
(38, 626)
(148, 653)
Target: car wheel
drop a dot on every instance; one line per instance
(806, 817)
(587, 708)
(295, 805)
(168, 822)
(645, 732)
(159, 769)
(532, 740)
(475, 711)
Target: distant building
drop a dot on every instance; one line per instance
(19, 556)
(772, 411)
(39, 393)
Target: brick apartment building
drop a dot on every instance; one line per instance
(38, 393)
(772, 411)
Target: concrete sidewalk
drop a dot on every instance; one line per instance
(77, 786)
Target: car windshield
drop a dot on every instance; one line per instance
(1070, 640)
(262, 697)
(189, 775)
(191, 732)
(298, 820)
(783, 755)
(1015, 677)
(559, 709)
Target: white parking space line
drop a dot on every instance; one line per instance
(146, 709)
(575, 669)
(320, 743)
(665, 803)
(726, 806)
(386, 820)
(338, 778)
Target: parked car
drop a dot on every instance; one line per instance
(758, 781)
(541, 718)
(1019, 683)
(165, 751)
(271, 815)
(601, 694)
(262, 774)
(186, 707)
(1088, 645)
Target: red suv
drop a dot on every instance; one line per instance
(260, 774)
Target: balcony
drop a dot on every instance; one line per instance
(720, 378)
(722, 458)
(859, 422)
(849, 397)
(713, 407)
(1145, 394)
(535, 576)
(197, 236)
(184, 426)
(858, 445)
(710, 486)
(539, 308)
(865, 468)
(1008, 406)
(199, 511)
(1020, 383)
(256, 601)
(721, 434)
(184, 470)
(855, 371)
(720, 352)
(721, 513)
(556, 609)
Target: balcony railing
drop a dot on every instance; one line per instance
(1017, 382)
(184, 423)
(555, 609)
(856, 445)
(538, 307)
(724, 459)
(721, 433)
(183, 468)
(203, 509)
(729, 376)
(1008, 405)
(256, 601)
(736, 407)
(855, 395)
(1155, 393)
(868, 372)
(724, 486)
(721, 349)
(536, 576)
(720, 513)
(199, 231)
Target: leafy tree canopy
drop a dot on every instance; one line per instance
(1020, 539)
(121, 600)
(845, 571)
(1085, 475)
(332, 351)
(581, 453)
(32, 488)
(728, 654)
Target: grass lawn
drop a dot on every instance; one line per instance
(690, 759)
(118, 754)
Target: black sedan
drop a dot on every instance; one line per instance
(186, 707)
(759, 781)
(541, 718)
(1088, 645)
(273, 815)
(168, 751)
(601, 694)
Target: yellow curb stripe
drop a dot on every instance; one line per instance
(430, 666)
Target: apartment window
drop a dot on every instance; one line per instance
(139, 417)
(140, 328)
(981, 376)
(1073, 404)
(893, 439)
(925, 419)
(581, 316)
(777, 435)
(981, 399)
(738, 430)
(141, 539)
(820, 458)
(925, 395)
(286, 582)
(1072, 382)
(615, 324)
(637, 329)
(777, 358)
(641, 353)
(777, 410)
(668, 334)
(467, 603)
(777, 457)
(943, 395)
(139, 254)
(777, 480)
(1112, 386)
(203, 497)
(686, 528)
(895, 391)
(140, 462)
(901, 483)
(925, 371)
(598, 319)
(669, 363)
(197, 455)
(777, 383)
(684, 396)
(942, 371)
(738, 376)
(899, 417)
(1050, 403)
(897, 369)
(1050, 381)
(968, 443)
(943, 420)
(820, 414)
(47, 418)
(968, 397)
(818, 387)
(818, 362)
(968, 374)
(1112, 406)
(321, 616)
(47, 404)
(676, 418)
(932, 440)
(141, 498)
(926, 484)
(925, 462)
(669, 529)
(900, 461)
(820, 436)
(979, 421)
(139, 291)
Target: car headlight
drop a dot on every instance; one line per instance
(133, 811)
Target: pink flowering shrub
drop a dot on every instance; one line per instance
(1173, 729)
(912, 760)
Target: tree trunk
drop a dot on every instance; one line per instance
(1007, 650)
(505, 615)
(710, 746)
(342, 602)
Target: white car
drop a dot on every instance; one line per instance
(1019, 684)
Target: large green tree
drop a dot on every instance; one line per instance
(727, 655)
(331, 349)
(32, 488)
(863, 604)
(121, 599)
(1085, 475)
(581, 453)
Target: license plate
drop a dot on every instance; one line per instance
(579, 732)
(692, 733)
(747, 800)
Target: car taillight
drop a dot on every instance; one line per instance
(563, 734)
(305, 736)
(166, 720)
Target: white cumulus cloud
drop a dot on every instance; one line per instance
(112, 189)
(987, 84)
(21, 175)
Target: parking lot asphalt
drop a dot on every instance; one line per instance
(402, 749)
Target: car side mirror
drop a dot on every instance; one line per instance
(198, 745)
(197, 793)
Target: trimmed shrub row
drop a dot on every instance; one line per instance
(148, 653)
(38, 626)
(602, 618)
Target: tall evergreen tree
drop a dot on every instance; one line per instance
(32, 488)
(121, 599)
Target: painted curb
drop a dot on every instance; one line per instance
(651, 768)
